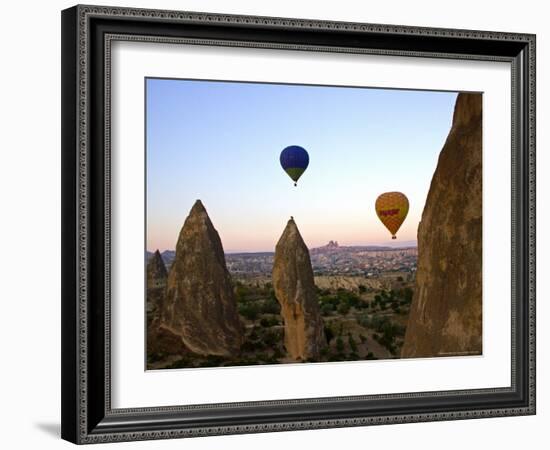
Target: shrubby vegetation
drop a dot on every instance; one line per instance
(356, 324)
(387, 331)
(340, 302)
(254, 302)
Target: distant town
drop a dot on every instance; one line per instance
(330, 259)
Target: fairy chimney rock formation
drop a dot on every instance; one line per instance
(156, 271)
(295, 291)
(200, 305)
(445, 316)
(156, 281)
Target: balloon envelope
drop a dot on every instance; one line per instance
(294, 160)
(392, 209)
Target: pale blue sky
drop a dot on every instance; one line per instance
(220, 142)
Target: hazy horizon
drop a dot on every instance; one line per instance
(220, 142)
(392, 244)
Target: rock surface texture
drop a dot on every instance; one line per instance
(445, 317)
(156, 282)
(295, 290)
(200, 305)
(158, 341)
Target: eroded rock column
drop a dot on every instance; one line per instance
(200, 305)
(295, 290)
(445, 317)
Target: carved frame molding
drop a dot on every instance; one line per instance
(88, 32)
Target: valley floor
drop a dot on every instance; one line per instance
(363, 318)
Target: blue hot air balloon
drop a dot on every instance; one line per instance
(294, 160)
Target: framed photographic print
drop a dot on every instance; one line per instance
(280, 224)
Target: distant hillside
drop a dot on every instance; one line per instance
(330, 259)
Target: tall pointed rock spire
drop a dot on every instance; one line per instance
(200, 305)
(295, 291)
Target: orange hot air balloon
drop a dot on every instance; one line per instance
(392, 208)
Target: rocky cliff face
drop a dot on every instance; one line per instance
(445, 317)
(200, 305)
(295, 291)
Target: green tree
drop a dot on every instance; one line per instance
(270, 306)
(268, 322)
(329, 334)
(343, 308)
(326, 309)
(352, 343)
(340, 344)
(249, 310)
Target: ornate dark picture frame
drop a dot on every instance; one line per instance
(87, 33)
